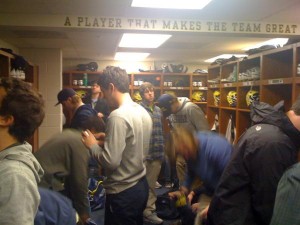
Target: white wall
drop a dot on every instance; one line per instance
(50, 83)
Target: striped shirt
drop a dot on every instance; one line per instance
(156, 148)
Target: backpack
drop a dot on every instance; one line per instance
(165, 207)
(96, 193)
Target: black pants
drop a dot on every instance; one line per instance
(126, 207)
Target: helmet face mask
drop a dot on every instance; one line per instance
(252, 96)
(216, 95)
(232, 98)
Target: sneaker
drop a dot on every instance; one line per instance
(158, 185)
(168, 185)
(153, 218)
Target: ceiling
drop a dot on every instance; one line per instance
(101, 44)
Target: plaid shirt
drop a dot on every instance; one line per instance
(156, 148)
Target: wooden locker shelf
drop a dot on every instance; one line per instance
(278, 80)
(180, 84)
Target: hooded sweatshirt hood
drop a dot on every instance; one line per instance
(263, 113)
(182, 101)
(23, 153)
(20, 173)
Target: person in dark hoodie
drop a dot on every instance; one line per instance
(75, 111)
(247, 189)
(21, 113)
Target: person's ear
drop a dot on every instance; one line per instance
(111, 87)
(6, 121)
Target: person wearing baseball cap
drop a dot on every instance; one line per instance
(75, 111)
(165, 103)
(64, 94)
(181, 111)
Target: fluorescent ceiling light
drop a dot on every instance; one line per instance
(131, 56)
(275, 42)
(225, 56)
(130, 40)
(171, 4)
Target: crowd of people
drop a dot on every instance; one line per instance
(252, 182)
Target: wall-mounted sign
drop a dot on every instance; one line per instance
(180, 25)
(150, 24)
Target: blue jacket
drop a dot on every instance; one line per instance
(54, 208)
(213, 155)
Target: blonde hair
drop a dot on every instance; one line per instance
(182, 135)
(76, 99)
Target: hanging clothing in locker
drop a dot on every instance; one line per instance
(230, 131)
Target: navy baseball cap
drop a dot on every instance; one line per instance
(64, 94)
(164, 102)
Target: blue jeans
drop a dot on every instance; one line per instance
(126, 207)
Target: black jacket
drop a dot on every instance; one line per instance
(101, 106)
(81, 115)
(246, 192)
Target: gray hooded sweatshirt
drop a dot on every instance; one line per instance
(19, 174)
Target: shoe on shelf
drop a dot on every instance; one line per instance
(230, 78)
(158, 185)
(153, 218)
(214, 81)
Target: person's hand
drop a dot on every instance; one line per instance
(190, 197)
(88, 139)
(195, 207)
(175, 194)
(100, 137)
(100, 115)
(184, 190)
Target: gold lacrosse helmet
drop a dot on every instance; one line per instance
(232, 98)
(252, 96)
(136, 96)
(216, 95)
(198, 96)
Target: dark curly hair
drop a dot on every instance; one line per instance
(115, 75)
(24, 104)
